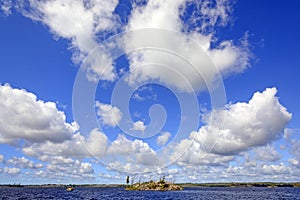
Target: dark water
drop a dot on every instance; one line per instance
(119, 193)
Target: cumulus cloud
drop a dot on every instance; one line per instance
(266, 153)
(122, 145)
(130, 167)
(239, 170)
(156, 14)
(260, 172)
(228, 132)
(232, 130)
(207, 61)
(139, 126)
(60, 169)
(75, 169)
(86, 168)
(295, 150)
(134, 152)
(23, 116)
(189, 152)
(109, 115)
(241, 126)
(48, 136)
(293, 161)
(163, 138)
(85, 23)
(11, 171)
(78, 146)
(274, 169)
(24, 163)
(80, 22)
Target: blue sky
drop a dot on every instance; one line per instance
(197, 91)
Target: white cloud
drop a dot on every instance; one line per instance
(80, 22)
(13, 170)
(69, 19)
(296, 147)
(129, 167)
(22, 116)
(189, 152)
(124, 146)
(293, 161)
(229, 132)
(287, 133)
(56, 160)
(64, 170)
(266, 153)
(156, 14)
(41, 173)
(135, 152)
(148, 64)
(24, 163)
(139, 126)
(295, 150)
(230, 59)
(84, 23)
(94, 145)
(86, 168)
(76, 169)
(240, 126)
(232, 130)
(274, 169)
(239, 172)
(51, 139)
(211, 16)
(137, 97)
(163, 138)
(261, 172)
(109, 115)
(6, 6)
(144, 93)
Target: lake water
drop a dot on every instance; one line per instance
(213, 193)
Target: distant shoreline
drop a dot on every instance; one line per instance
(184, 185)
(244, 184)
(62, 185)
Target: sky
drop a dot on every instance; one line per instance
(197, 91)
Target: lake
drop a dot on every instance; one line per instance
(213, 193)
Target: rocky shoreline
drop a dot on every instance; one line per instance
(155, 186)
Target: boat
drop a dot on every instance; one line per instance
(69, 189)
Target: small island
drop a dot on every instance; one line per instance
(160, 185)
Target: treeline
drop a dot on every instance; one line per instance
(233, 184)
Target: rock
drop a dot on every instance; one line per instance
(155, 186)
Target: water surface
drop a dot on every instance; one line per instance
(213, 193)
